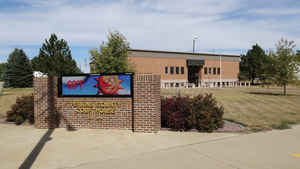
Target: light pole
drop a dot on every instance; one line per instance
(194, 39)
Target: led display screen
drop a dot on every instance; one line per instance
(96, 85)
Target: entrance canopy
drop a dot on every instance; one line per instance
(195, 62)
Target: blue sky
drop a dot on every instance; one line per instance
(230, 26)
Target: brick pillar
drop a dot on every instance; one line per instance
(146, 103)
(44, 102)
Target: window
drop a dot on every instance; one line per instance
(214, 70)
(205, 70)
(177, 70)
(172, 70)
(219, 70)
(166, 70)
(182, 70)
(209, 70)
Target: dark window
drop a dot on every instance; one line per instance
(177, 70)
(214, 70)
(182, 70)
(205, 70)
(172, 70)
(209, 70)
(219, 70)
(166, 70)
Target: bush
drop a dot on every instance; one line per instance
(22, 110)
(207, 114)
(174, 111)
(182, 113)
(284, 124)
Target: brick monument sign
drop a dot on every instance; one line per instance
(140, 112)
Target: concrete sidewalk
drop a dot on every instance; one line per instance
(91, 148)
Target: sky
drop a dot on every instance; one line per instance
(227, 27)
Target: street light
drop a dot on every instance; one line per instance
(195, 37)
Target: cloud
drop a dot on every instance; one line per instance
(204, 8)
(275, 12)
(149, 24)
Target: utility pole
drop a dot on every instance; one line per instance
(194, 39)
(220, 64)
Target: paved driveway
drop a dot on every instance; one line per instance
(89, 148)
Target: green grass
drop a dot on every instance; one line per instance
(8, 98)
(257, 108)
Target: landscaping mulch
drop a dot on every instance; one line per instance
(3, 120)
(231, 127)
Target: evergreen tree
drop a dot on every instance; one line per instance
(2, 70)
(55, 58)
(18, 73)
(298, 54)
(255, 64)
(112, 56)
(286, 63)
(244, 68)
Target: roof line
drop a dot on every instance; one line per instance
(189, 53)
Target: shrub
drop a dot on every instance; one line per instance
(183, 113)
(22, 110)
(207, 115)
(284, 124)
(174, 112)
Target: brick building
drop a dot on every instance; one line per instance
(183, 69)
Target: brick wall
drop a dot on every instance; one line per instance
(158, 65)
(140, 113)
(230, 69)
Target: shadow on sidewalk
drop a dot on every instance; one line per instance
(54, 120)
(36, 150)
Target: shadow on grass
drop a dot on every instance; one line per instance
(271, 94)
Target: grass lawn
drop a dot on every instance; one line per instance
(257, 108)
(8, 97)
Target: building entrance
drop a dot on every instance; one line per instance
(194, 67)
(193, 74)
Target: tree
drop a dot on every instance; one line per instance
(266, 70)
(254, 64)
(112, 57)
(2, 70)
(286, 63)
(55, 58)
(18, 71)
(244, 68)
